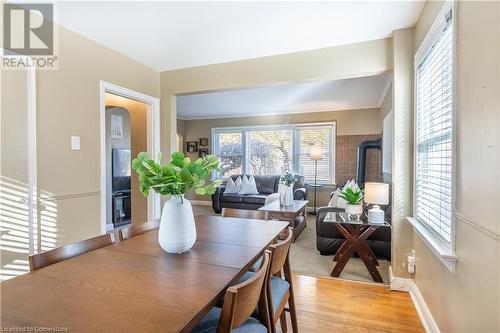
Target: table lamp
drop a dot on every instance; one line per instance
(316, 155)
(376, 194)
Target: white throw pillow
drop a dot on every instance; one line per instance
(272, 197)
(337, 201)
(248, 186)
(233, 187)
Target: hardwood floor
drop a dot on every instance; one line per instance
(331, 305)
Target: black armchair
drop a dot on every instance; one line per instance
(300, 193)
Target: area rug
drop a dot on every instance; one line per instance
(305, 259)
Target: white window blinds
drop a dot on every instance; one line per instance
(272, 150)
(229, 147)
(434, 134)
(322, 135)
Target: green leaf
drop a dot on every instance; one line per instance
(177, 176)
(201, 191)
(178, 156)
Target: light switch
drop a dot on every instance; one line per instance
(75, 143)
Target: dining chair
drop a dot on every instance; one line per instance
(240, 302)
(56, 255)
(279, 286)
(243, 213)
(137, 229)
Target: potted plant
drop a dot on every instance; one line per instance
(177, 232)
(353, 195)
(288, 179)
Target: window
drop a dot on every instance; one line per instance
(272, 150)
(308, 136)
(434, 131)
(229, 147)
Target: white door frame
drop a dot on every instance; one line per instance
(153, 141)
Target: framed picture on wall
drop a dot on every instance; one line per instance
(192, 146)
(204, 142)
(203, 152)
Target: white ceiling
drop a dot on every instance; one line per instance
(171, 35)
(348, 94)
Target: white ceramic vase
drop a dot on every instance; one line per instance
(288, 196)
(177, 232)
(354, 210)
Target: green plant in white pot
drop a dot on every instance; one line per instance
(353, 195)
(177, 232)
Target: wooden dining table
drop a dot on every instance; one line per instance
(135, 286)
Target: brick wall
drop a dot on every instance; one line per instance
(346, 158)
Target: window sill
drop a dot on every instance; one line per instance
(442, 251)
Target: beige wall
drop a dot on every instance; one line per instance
(337, 62)
(13, 171)
(68, 104)
(138, 124)
(469, 300)
(348, 122)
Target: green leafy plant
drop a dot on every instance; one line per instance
(176, 177)
(288, 179)
(353, 195)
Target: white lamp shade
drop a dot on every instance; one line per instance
(377, 193)
(316, 152)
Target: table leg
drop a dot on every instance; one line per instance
(347, 250)
(356, 243)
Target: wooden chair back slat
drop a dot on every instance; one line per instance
(241, 300)
(280, 253)
(137, 229)
(47, 258)
(244, 213)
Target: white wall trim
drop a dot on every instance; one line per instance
(409, 285)
(443, 252)
(397, 283)
(388, 84)
(34, 245)
(423, 311)
(154, 205)
(285, 113)
(486, 231)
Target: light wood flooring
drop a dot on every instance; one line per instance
(333, 305)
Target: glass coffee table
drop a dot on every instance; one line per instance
(356, 232)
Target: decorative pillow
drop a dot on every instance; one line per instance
(248, 186)
(272, 197)
(233, 187)
(337, 201)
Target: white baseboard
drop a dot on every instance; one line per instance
(397, 283)
(409, 285)
(201, 202)
(109, 227)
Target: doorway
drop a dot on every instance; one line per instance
(129, 125)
